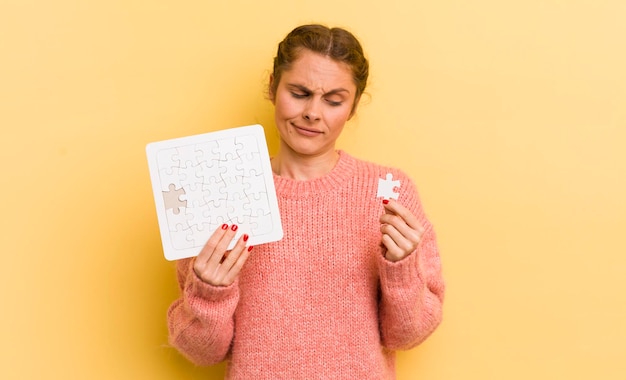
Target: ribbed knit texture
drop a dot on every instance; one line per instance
(322, 303)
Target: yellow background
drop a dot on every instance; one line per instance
(510, 115)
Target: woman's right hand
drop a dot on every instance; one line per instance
(217, 266)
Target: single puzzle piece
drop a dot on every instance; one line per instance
(186, 155)
(213, 187)
(165, 158)
(168, 176)
(238, 213)
(171, 198)
(386, 186)
(219, 211)
(205, 153)
(190, 176)
(195, 196)
(216, 219)
(179, 238)
(178, 221)
(168, 172)
(250, 165)
(237, 186)
(262, 224)
(258, 203)
(227, 147)
(257, 184)
(211, 172)
(231, 164)
(199, 234)
(198, 215)
(249, 146)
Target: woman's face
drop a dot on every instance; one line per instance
(313, 101)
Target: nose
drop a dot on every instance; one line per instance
(311, 111)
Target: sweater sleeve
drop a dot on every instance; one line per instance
(200, 321)
(412, 289)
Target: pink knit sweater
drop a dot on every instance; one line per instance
(322, 303)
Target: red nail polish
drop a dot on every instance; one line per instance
(234, 227)
(250, 248)
(224, 226)
(385, 201)
(245, 237)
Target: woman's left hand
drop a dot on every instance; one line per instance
(401, 231)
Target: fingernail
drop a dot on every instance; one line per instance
(224, 226)
(245, 237)
(234, 227)
(385, 201)
(250, 248)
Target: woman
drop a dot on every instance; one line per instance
(352, 280)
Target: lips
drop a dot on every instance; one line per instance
(306, 131)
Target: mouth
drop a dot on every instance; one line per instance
(306, 131)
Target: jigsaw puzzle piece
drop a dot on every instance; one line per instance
(211, 174)
(220, 209)
(186, 156)
(199, 234)
(206, 153)
(262, 223)
(216, 219)
(190, 176)
(249, 146)
(258, 203)
(237, 186)
(178, 237)
(256, 183)
(215, 195)
(238, 213)
(227, 146)
(251, 164)
(195, 196)
(386, 186)
(169, 176)
(230, 167)
(166, 159)
(174, 221)
(197, 215)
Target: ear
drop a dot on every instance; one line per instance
(270, 91)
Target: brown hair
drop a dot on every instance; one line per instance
(335, 43)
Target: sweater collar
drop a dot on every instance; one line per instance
(291, 188)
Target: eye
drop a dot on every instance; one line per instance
(299, 95)
(333, 103)
(334, 100)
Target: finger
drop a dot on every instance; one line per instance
(239, 259)
(396, 208)
(208, 250)
(222, 246)
(402, 227)
(394, 253)
(232, 255)
(228, 271)
(406, 243)
(209, 246)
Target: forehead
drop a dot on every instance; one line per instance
(318, 72)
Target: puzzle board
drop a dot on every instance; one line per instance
(201, 182)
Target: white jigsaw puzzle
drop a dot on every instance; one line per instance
(386, 186)
(201, 182)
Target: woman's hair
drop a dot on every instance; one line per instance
(335, 43)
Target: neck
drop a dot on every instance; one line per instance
(303, 167)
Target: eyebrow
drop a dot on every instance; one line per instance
(305, 89)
